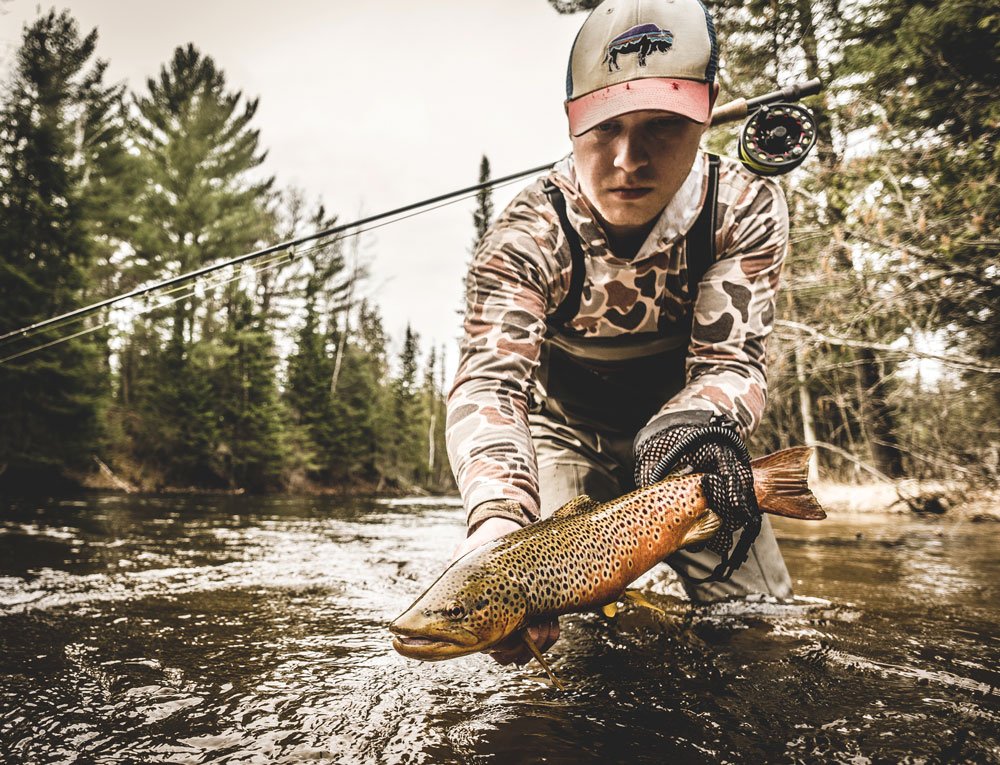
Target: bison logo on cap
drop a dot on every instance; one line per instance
(643, 39)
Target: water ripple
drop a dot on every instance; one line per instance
(242, 630)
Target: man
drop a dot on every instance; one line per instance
(618, 309)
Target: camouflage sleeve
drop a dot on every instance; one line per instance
(507, 293)
(734, 311)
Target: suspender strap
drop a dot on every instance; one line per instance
(570, 305)
(700, 244)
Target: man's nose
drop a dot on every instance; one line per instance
(630, 154)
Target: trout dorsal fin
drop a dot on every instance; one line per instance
(580, 504)
(704, 528)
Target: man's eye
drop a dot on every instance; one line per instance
(606, 127)
(663, 125)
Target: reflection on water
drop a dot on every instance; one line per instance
(240, 630)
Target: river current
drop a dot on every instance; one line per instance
(253, 630)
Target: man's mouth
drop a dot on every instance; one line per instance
(630, 192)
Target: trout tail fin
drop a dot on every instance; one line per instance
(781, 484)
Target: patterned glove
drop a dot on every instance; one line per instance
(699, 442)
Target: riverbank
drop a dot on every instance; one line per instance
(902, 497)
(910, 496)
(132, 479)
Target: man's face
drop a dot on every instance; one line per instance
(630, 167)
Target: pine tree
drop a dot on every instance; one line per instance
(48, 420)
(372, 343)
(483, 216)
(938, 106)
(251, 446)
(354, 415)
(201, 203)
(322, 374)
(410, 427)
(437, 467)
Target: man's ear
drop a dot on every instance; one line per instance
(713, 95)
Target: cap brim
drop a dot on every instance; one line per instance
(688, 98)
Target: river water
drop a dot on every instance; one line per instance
(252, 630)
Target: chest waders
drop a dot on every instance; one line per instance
(592, 395)
(615, 385)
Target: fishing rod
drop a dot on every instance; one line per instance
(284, 257)
(776, 138)
(291, 243)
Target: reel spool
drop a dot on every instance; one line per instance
(777, 138)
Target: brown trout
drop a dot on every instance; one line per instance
(581, 558)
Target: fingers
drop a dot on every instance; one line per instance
(513, 650)
(510, 651)
(545, 635)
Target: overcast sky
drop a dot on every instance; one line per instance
(368, 106)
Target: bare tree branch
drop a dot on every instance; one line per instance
(926, 256)
(953, 360)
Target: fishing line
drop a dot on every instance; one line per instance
(189, 292)
(75, 317)
(250, 256)
(287, 254)
(274, 262)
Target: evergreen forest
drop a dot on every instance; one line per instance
(276, 376)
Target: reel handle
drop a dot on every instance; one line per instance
(729, 112)
(741, 107)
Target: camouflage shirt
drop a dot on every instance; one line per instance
(521, 272)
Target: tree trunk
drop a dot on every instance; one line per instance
(805, 409)
(347, 319)
(430, 438)
(879, 416)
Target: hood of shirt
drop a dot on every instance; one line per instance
(674, 222)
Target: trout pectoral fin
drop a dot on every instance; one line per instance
(703, 530)
(576, 505)
(640, 600)
(610, 609)
(538, 656)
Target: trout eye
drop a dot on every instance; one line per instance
(455, 611)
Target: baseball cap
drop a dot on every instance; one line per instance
(641, 54)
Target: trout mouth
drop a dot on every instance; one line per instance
(434, 644)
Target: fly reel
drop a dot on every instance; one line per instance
(777, 138)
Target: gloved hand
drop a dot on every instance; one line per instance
(700, 442)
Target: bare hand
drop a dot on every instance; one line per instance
(511, 650)
(487, 531)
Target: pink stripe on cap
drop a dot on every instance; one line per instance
(687, 98)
